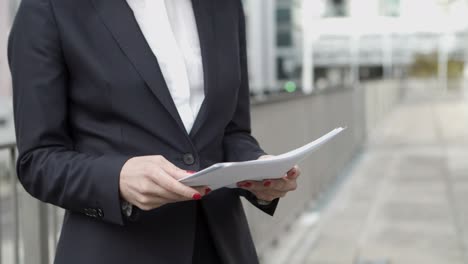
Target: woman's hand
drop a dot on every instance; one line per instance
(150, 182)
(269, 190)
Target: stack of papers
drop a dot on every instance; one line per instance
(228, 174)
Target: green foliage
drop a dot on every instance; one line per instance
(426, 65)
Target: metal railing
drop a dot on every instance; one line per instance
(30, 233)
(304, 119)
(28, 229)
(10, 182)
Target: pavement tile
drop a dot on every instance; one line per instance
(406, 201)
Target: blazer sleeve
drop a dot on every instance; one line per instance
(239, 144)
(48, 166)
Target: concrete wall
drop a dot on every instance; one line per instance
(379, 98)
(283, 126)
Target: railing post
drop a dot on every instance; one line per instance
(14, 193)
(54, 221)
(44, 233)
(1, 237)
(34, 224)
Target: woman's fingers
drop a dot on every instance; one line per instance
(174, 171)
(172, 197)
(269, 196)
(257, 186)
(154, 196)
(270, 190)
(294, 173)
(152, 203)
(149, 196)
(178, 173)
(203, 189)
(280, 185)
(158, 191)
(152, 181)
(167, 182)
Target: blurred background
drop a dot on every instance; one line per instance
(391, 189)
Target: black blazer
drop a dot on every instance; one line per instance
(89, 94)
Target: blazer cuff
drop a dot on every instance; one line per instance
(268, 209)
(130, 212)
(107, 193)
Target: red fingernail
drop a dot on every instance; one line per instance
(267, 183)
(196, 196)
(247, 184)
(191, 172)
(207, 190)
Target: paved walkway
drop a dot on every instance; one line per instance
(406, 199)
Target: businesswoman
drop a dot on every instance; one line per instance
(115, 100)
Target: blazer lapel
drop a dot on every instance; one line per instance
(204, 16)
(119, 19)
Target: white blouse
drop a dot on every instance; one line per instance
(170, 28)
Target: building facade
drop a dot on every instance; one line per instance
(345, 33)
(274, 34)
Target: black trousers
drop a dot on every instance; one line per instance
(204, 249)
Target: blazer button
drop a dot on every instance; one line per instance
(90, 212)
(93, 212)
(100, 213)
(188, 159)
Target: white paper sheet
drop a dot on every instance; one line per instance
(228, 174)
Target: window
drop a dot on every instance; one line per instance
(284, 39)
(283, 16)
(389, 8)
(336, 8)
(284, 25)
